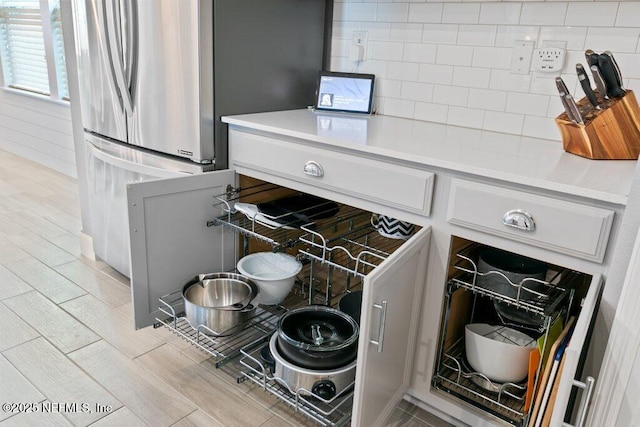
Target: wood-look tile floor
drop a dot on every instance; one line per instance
(66, 334)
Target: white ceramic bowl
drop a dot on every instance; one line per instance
(274, 273)
(500, 353)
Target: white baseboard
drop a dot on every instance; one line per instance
(86, 246)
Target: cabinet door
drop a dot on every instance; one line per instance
(170, 240)
(389, 322)
(575, 354)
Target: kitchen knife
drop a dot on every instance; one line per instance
(609, 76)
(573, 107)
(616, 68)
(591, 57)
(586, 85)
(563, 91)
(600, 84)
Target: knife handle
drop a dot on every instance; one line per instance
(600, 84)
(616, 68)
(586, 85)
(609, 76)
(573, 107)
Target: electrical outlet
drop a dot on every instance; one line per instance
(521, 56)
(359, 45)
(549, 59)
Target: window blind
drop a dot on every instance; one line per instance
(25, 42)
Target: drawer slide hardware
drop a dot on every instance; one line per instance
(517, 218)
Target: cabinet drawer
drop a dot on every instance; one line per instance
(560, 226)
(388, 184)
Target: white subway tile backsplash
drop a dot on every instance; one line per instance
(543, 13)
(438, 74)
(629, 65)
(425, 12)
(500, 13)
(376, 31)
(345, 29)
(471, 77)
(486, 99)
(504, 80)
(388, 88)
(413, 91)
(388, 51)
(477, 35)
(450, 95)
(405, 71)
(449, 61)
(617, 40)
(628, 13)
(440, 33)
(399, 107)
(406, 32)
(431, 112)
(527, 103)
(414, 52)
(466, 117)
(503, 122)
(492, 57)
(574, 36)
(461, 13)
(596, 14)
(454, 55)
(393, 12)
(360, 12)
(507, 35)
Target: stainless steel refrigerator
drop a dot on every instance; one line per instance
(156, 76)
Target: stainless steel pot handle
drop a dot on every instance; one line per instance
(587, 386)
(383, 319)
(519, 219)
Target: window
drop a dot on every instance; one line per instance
(31, 47)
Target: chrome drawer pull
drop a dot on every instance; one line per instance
(584, 401)
(519, 219)
(383, 319)
(313, 169)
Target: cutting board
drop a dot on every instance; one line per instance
(542, 384)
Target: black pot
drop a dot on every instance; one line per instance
(317, 337)
(351, 304)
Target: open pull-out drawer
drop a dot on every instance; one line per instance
(186, 226)
(541, 309)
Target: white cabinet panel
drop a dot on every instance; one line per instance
(390, 309)
(381, 182)
(560, 226)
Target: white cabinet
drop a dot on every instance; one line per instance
(172, 241)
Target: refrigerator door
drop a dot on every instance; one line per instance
(100, 101)
(171, 87)
(110, 168)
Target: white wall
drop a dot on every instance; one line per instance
(37, 129)
(449, 62)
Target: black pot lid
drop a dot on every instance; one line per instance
(318, 328)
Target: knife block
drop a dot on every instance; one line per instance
(611, 133)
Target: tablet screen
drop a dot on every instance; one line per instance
(348, 92)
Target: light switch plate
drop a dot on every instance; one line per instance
(549, 59)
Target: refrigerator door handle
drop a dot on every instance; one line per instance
(129, 15)
(117, 55)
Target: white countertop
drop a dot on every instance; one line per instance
(523, 160)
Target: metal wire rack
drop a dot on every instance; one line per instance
(326, 412)
(222, 348)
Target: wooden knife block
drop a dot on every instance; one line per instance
(610, 133)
